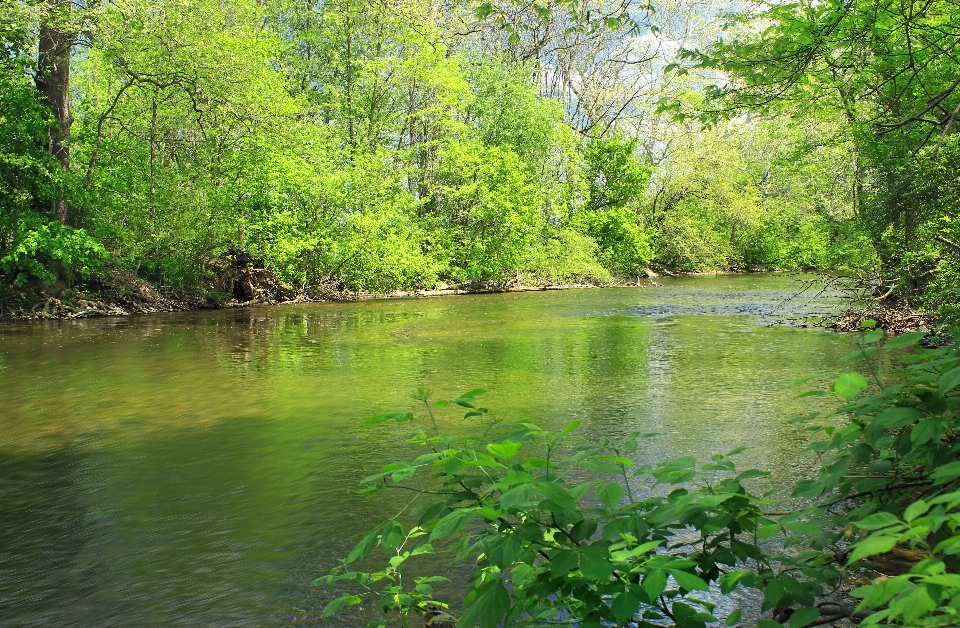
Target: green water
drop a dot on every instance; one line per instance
(199, 469)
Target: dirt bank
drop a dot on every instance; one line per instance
(239, 283)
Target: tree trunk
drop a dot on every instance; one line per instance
(53, 83)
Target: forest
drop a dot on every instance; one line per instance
(189, 469)
(400, 144)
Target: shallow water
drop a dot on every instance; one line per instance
(199, 469)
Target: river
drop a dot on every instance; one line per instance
(199, 469)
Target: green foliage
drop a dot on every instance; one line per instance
(928, 595)
(560, 529)
(37, 246)
(549, 546)
(901, 441)
(759, 193)
(884, 69)
(617, 182)
(371, 146)
(567, 256)
(32, 242)
(180, 110)
(895, 461)
(493, 208)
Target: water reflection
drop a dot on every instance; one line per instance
(199, 469)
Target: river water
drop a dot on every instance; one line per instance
(199, 469)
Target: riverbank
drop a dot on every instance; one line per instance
(120, 294)
(242, 284)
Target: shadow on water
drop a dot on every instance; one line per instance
(44, 528)
(200, 469)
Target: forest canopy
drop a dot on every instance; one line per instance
(398, 144)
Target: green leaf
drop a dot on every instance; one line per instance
(583, 529)
(734, 617)
(947, 473)
(403, 473)
(689, 581)
(773, 592)
(686, 616)
(473, 394)
(905, 340)
(876, 521)
(393, 535)
(363, 548)
(849, 385)
(915, 509)
(335, 606)
(520, 495)
(945, 580)
(505, 450)
(870, 337)
(803, 617)
(896, 417)
(572, 425)
(806, 528)
(557, 494)
(600, 466)
(610, 494)
(654, 583)
(562, 561)
(595, 563)
(916, 604)
(489, 607)
(872, 545)
(625, 606)
(728, 581)
(808, 488)
(927, 430)
(949, 380)
(451, 523)
(766, 623)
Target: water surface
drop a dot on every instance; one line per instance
(199, 469)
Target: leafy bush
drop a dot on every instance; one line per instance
(928, 595)
(32, 245)
(552, 547)
(625, 244)
(549, 547)
(569, 257)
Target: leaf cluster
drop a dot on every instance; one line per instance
(566, 531)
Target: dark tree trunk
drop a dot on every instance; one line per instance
(53, 83)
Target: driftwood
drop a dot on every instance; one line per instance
(894, 320)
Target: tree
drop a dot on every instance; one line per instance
(53, 82)
(891, 70)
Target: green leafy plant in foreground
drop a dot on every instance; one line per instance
(564, 531)
(891, 471)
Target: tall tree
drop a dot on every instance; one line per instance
(53, 83)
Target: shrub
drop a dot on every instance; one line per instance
(548, 548)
